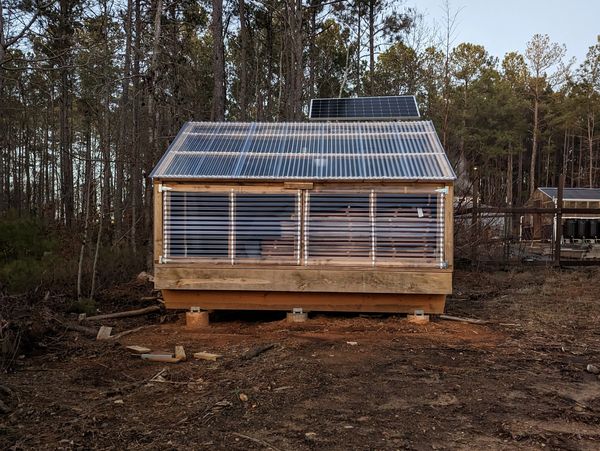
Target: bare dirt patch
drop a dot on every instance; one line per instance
(519, 382)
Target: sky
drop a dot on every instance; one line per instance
(506, 25)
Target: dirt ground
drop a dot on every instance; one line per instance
(519, 382)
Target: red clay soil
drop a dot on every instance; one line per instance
(519, 382)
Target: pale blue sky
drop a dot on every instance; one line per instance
(506, 25)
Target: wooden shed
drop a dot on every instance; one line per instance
(582, 226)
(323, 216)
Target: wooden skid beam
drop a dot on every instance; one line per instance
(334, 302)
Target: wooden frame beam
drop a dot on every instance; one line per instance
(302, 279)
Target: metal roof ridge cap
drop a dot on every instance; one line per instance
(311, 123)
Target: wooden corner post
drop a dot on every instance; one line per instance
(158, 222)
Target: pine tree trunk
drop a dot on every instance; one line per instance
(270, 49)
(572, 147)
(153, 84)
(105, 147)
(312, 52)
(532, 167)
(88, 189)
(2, 49)
(244, 56)
(134, 171)
(509, 179)
(98, 241)
(590, 140)
(66, 161)
(580, 176)
(293, 75)
(298, 67)
(358, 42)
(371, 46)
(512, 219)
(520, 178)
(123, 141)
(218, 109)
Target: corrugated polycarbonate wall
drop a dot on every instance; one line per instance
(338, 227)
(365, 228)
(409, 227)
(232, 227)
(266, 227)
(196, 225)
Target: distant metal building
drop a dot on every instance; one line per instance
(574, 227)
(339, 216)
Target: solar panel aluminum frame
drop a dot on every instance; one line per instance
(365, 118)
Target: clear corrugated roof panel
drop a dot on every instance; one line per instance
(306, 151)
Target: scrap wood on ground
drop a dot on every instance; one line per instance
(449, 384)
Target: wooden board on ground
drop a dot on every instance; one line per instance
(164, 358)
(206, 356)
(180, 353)
(138, 349)
(104, 333)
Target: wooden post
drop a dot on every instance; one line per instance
(506, 239)
(449, 227)
(158, 222)
(474, 219)
(558, 225)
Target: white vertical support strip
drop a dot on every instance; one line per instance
(441, 216)
(372, 218)
(306, 202)
(165, 208)
(299, 233)
(232, 226)
(185, 225)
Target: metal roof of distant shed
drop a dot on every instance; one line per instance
(306, 151)
(573, 194)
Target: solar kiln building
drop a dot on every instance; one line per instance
(326, 215)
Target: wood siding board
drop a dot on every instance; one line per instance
(203, 185)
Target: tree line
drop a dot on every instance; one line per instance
(92, 92)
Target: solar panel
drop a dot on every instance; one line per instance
(365, 108)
